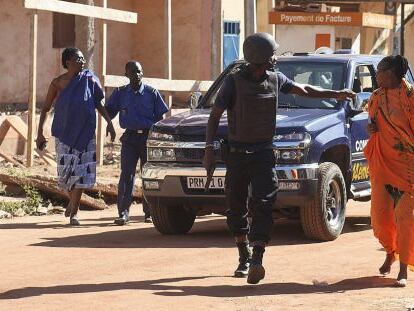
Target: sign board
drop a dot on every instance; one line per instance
(377, 20)
(306, 18)
(332, 19)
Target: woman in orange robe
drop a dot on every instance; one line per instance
(390, 155)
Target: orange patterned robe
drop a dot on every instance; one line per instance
(390, 155)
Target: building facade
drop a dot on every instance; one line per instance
(206, 35)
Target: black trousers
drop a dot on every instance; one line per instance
(257, 170)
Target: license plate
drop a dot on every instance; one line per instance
(200, 182)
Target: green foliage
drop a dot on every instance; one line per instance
(33, 197)
(29, 206)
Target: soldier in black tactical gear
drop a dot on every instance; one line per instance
(250, 95)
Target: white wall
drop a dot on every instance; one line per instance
(233, 10)
(301, 38)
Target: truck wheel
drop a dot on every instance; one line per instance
(323, 217)
(172, 219)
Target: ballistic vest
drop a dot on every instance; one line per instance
(252, 119)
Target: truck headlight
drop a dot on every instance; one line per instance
(299, 137)
(291, 148)
(161, 154)
(160, 136)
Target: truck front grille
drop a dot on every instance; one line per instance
(193, 155)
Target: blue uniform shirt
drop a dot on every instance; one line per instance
(137, 110)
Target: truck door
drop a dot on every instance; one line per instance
(363, 82)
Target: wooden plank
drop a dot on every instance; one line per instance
(100, 126)
(82, 10)
(11, 160)
(20, 127)
(162, 84)
(107, 187)
(50, 187)
(32, 89)
(168, 34)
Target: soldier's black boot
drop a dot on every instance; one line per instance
(256, 271)
(245, 255)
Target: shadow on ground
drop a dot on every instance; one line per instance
(162, 287)
(211, 232)
(98, 222)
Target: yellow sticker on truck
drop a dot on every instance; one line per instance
(360, 171)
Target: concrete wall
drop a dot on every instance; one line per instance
(192, 35)
(147, 41)
(263, 9)
(14, 53)
(233, 10)
(301, 38)
(349, 32)
(370, 35)
(192, 22)
(409, 47)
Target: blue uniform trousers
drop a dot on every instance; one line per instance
(133, 149)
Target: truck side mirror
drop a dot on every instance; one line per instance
(361, 100)
(194, 99)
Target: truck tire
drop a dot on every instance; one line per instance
(172, 219)
(323, 218)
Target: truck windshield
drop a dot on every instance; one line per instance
(324, 75)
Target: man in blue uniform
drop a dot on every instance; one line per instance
(139, 107)
(250, 96)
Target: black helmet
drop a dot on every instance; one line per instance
(259, 47)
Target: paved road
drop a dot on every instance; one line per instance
(47, 265)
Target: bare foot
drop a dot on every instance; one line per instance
(402, 276)
(386, 266)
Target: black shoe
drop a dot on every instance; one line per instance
(121, 220)
(245, 255)
(148, 219)
(74, 221)
(256, 271)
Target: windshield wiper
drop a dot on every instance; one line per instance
(287, 105)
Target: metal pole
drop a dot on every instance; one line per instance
(249, 17)
(169, 50)
(402, 29)
(32, 89)
(100, 138)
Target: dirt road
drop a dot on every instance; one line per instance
(46, 265)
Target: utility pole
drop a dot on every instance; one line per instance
(168, 67)
(249, 17)
(402, 29)
(85, 36)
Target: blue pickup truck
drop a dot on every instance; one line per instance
(318, 145)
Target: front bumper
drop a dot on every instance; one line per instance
(171, 178)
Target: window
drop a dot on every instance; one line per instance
(325, 75)
(231, 42)
(364, 79)
(320, 74)
(346, 43)
(63, 29)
